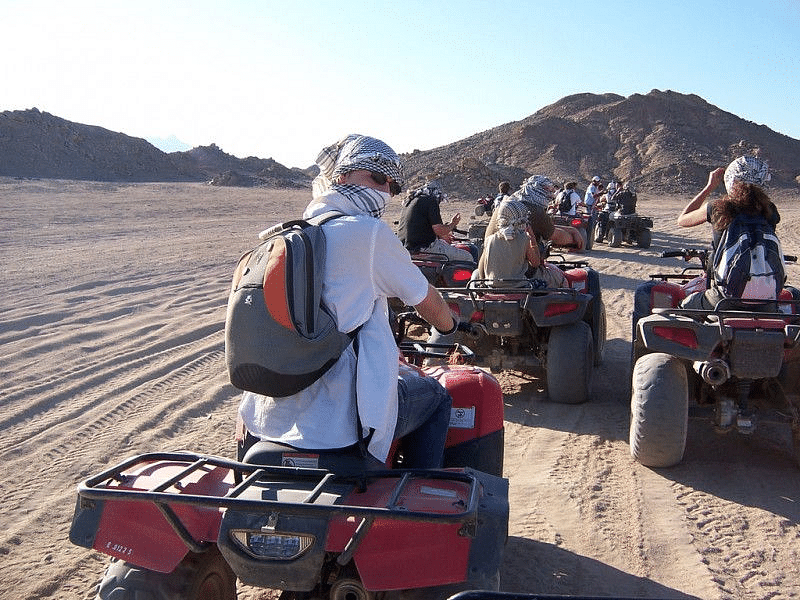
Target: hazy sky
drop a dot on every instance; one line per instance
(281, 79)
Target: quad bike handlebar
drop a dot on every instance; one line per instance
(703, 254)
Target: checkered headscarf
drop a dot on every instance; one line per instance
(512, 217)
(352, 153)
(536, 189)
(431, 188)
(747, 169)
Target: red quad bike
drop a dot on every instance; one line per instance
(518, 327)
(735, 365)
(314, 524)
(580, 222)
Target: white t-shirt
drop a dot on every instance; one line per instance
(574, 198)
(591, 193)
(365, 264)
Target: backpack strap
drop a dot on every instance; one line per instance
(318, 220)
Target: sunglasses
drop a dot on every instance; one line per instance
(381, 179)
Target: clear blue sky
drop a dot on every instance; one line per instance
(281, 79)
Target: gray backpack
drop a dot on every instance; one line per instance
(279, 336)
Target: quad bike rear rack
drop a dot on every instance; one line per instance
(107, 486)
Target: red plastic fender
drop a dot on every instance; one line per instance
(477, 402)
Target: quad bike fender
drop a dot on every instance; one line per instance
(678, 336)
(475, 437)
(430, 553)
(140, 532)
(557, 308)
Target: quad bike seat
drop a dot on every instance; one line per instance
(352, 460)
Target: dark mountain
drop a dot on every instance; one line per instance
(659, 141)
(38, 144)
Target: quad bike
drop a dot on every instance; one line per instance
(484, 206)
(616, 227)
(325, 524)
(736, 364)
(516, 326)
(579, 221)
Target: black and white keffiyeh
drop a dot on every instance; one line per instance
(536, 189)
(748, 169)
(352, 153)
(512, 218)
(431, 188)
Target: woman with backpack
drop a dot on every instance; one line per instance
(745, 179)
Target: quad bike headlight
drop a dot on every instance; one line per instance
(271, 545)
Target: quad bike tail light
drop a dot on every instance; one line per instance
(680, 335)
(461, 275)
(271, 545)
(576, 222)
(560, 308)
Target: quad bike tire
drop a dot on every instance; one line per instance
(570, 356)
(589, 238)
(615, 237)
(585, 239)
(598, 233)
(645, 238)
(599, 332)
(659, 410)
(597, 317)
(203, 576)
(796, 444)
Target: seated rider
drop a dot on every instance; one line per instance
(421, 228)
(625, 199)
(535, 193)
(503, 190)
(364, 395)
(511, 253)
(745, 179)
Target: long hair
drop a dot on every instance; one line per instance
(744, 198)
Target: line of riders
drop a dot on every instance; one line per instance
(519, 227)
(369, 402)
(358, 176)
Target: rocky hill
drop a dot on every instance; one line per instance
(659, 141)
(662, 140)
(38, 144)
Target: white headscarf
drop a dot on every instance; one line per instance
(747, 169)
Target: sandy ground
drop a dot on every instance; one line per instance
(111, 332)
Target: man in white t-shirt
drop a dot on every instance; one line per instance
(590, 199)
(574, 197)
(365, 264)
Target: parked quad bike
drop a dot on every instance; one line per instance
(515, 326)
(580, 222)
(632, 229)
(315, 524)
(736, 365)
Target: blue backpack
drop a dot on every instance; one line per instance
(748, 260)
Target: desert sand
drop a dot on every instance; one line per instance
(111, 338)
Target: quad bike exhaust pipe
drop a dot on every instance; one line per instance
(714, 372)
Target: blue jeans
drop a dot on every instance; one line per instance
(423, 416)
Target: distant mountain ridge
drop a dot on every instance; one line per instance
(663, 140)
(660, 141)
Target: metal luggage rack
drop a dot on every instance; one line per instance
(719, 314)
(247, 475)
(476, 289)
